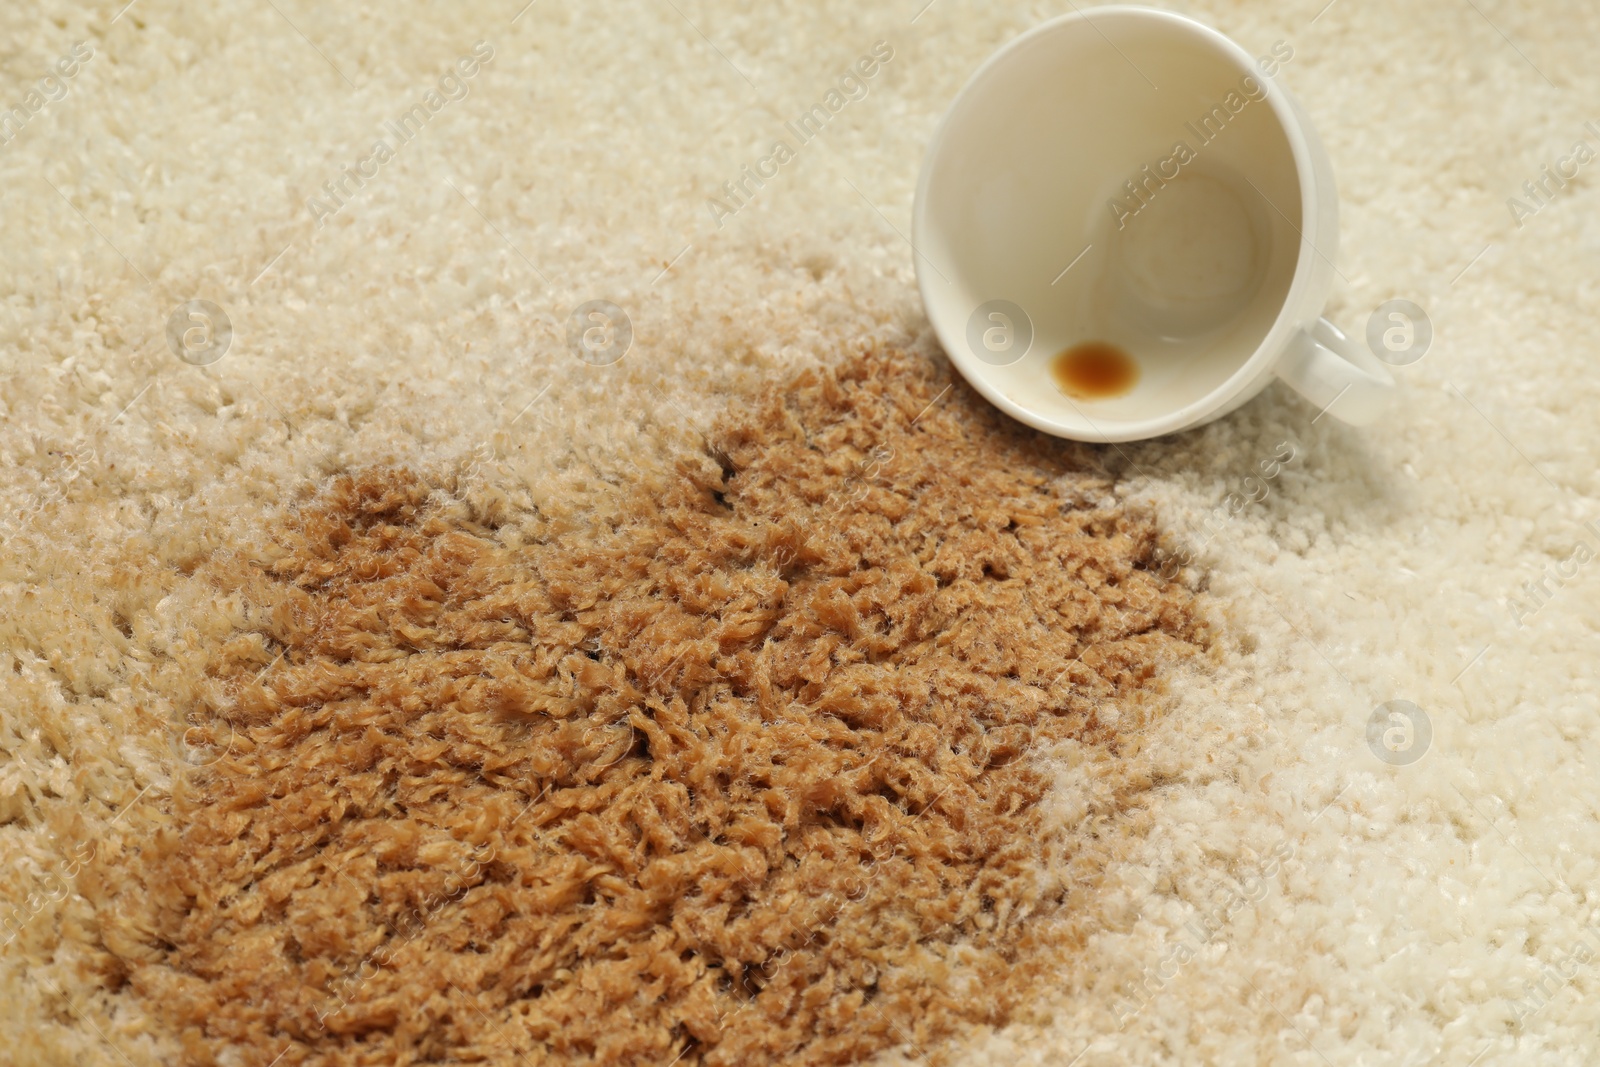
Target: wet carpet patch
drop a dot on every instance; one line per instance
(751, 775)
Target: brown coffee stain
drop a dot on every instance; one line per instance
(750, 776)
(1094, 370)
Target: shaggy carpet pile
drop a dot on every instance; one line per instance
(496, 569)
(749, 774)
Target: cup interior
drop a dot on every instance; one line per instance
(1119, 178)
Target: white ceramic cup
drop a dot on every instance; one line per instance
(1133, 177)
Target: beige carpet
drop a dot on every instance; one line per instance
(1270, 891)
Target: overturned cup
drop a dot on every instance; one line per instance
(1125, 228)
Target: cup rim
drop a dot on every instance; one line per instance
(1297, 133)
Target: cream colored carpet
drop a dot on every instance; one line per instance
(1278, 893)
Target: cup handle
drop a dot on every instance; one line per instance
(1336, 374)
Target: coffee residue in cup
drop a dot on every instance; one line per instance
(1094, 370)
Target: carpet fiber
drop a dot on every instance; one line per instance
(312, 438)
(750, 776)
